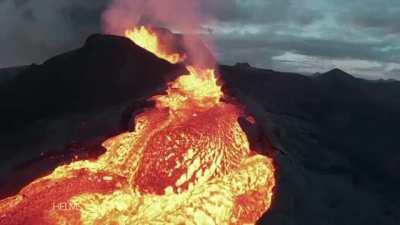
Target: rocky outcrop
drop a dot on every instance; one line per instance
(336, 144)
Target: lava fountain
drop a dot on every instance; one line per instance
(188, 161)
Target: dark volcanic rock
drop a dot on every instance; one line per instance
(80, 96)
(107, 70)
(10, 73)
(336, 140)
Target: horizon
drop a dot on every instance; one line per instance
(305, 37)
(258, 68)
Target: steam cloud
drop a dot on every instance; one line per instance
(177, 15)
(256, 31)
(182, 15)
(33, 31)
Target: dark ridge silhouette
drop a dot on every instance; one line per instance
(341, 130)
(105, 71)
(335, 137)
(337, 73)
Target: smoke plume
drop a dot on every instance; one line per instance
(182, 16)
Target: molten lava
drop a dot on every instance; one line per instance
(148, 39)
(187, 162)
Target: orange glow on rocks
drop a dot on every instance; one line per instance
(148, 39)
(187, 162)
(199, 88)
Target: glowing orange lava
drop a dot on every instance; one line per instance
(187, 162)
(148, 39)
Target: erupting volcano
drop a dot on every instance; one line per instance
(188, 161)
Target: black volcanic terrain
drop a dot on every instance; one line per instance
(336, 136)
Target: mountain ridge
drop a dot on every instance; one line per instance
(336, 139)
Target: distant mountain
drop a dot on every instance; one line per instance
(337, 74)
(340, 132)
(336, 136)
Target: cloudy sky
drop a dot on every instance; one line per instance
(306, 36)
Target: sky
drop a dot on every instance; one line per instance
(361, 37)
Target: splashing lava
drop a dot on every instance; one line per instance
(187, 162)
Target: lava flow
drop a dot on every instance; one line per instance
(187, 162)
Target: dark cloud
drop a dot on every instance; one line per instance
(380, 15)
(331, 33)
(258, 12)
(261, 32)
(32, 31)
(394, 74)
(312, 46)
